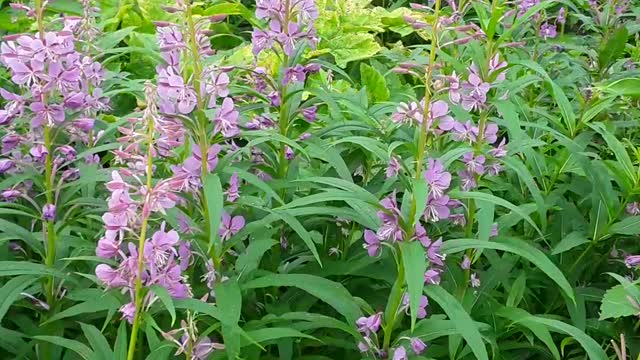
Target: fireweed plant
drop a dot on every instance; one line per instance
(469, 192)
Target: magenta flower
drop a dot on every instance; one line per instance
(39, 153)
(6, 165)
(13, 108)
(369, 325)
(49, 114)
(632, 261)
(226, 120)
(464, 132)
(390, 228)
(468, 180)
(217, 86)
(466, 263)
(372, 243)
(175, 95)
(294, 74)
(438, 111)
(233, 192)
(418, 345)
(393, 167)
(548, 31)
(432, 276)
(407, 113)
(454, 88)
(110, 277)
(108, 246)
(230, 226)
(422, 306)
(561, 18)
(437, 178)
(288, 153)
(500, 150)
(128, 312)
(437, 208)
(310, 114)
(490, 133)
(496, 65)
(49, 212)
(474, 164)
(161, 246)
(261, 40)
(400, 353)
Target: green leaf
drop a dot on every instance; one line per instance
(120, 349)
(348, 47)
(613, 48)
(13, 268)
(98, 342)
(556, 91)
(525, 176)
(249, 260)
(519, 316)
(375, 83)
(229, 298)
(570, 241)
(618, 150)
(255, 181)
(627, 226)
(166, 300)
(517, 290)
(16, 231)
(593, 349)
(616, 303)
(330, 292)
(495, 200)
(104, 303)
(10, 292)
(273, 333)
(301, 231)
(463, 322)
(623, 87)
(200, 307)
(214, 199)
(518, 247)
(73, 345)
(415, 265)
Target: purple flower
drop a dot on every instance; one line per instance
(474, 164)
(369, 325)
(39, 153)
(468, 180)
(217, 85)
(49, 114)
(390, 228)
(268, 8)
(407, 113)
(49, 212)
(261, 40)
(632, 208)
(363, 347)
(475, 92)
(109, 277)
(372, 243)
(548, 31)
(175, 95)
(6, 165)
(500, 150)
(422, 306)
(13, 108)
(108, 246)
(433, 252)
(10, 142)
(226, 120)
(161, 246)
(310, 114)
(437, 208)
(632, 261)
(230, 226)
(184, 254)
(438, 111)
(474, 280)
(437, 178)
(233, 192)
(128, 312)
(466, 263)
(10, 195)
(454, 88)
(561, 19)
(212, 158)
(289, 39)
(490, 133)
(400, 353)
(464, 132)
(432, 276)
(458, 219)
(288, 153)
(494, 230)
(496, 65)
(393, 167)
(418, 345)
(296, 74)
(304, 136)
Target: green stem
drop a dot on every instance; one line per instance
(395, 301)
(143, 235)
(423, 136)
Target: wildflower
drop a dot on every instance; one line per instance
(561, 18)
(632, 261)
(437, 178)
(474, 164)
(418, 345)
(437, 208)
(468, 180)
(49, 212)
(466, 263)
(400, 353)
(288, 153)
(548, 31)
(432, 276)
(233, 192)
(494, 230)
(500, 150)
(226, 120)
(393, 167)
(310, 114)
(128, 312)
(372, 243)
(230, 226)
(422, 306)
(369, 325)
